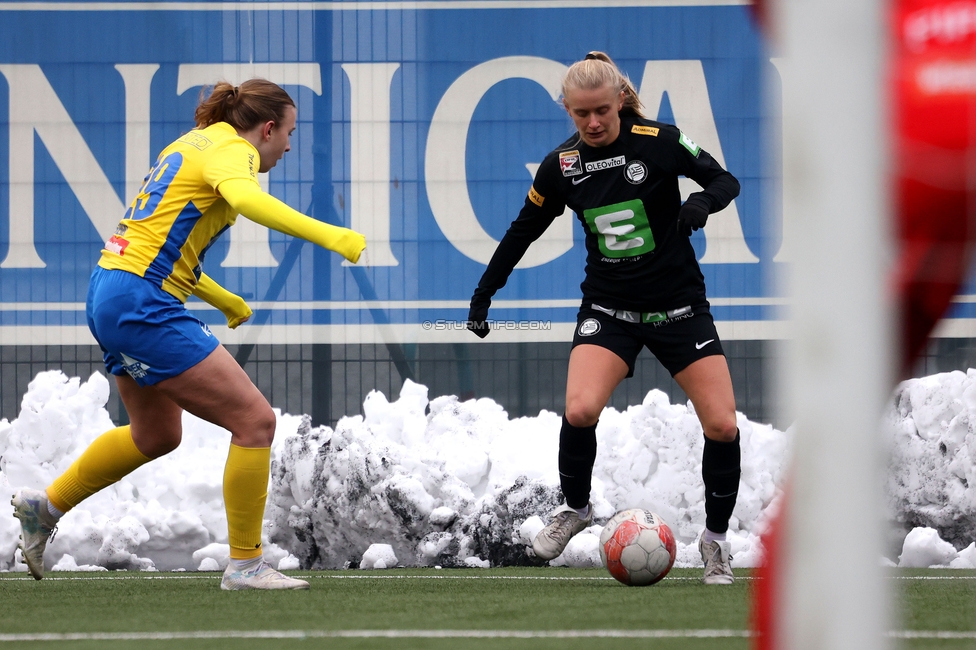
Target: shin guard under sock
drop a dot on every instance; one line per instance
(245, 493)
(107, 459)
(577, 451)
(720, 471)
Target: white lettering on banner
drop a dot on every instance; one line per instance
(444, 170)
(785, 253)
(684, 81)
(369, 153)
(138, 80)
(249, 245)
(35, 108)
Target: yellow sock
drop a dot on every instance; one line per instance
(108, 458)
(245, 493)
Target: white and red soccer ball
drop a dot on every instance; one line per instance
(637, 547)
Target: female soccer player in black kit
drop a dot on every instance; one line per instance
(643, 287)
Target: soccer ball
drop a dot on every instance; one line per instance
(637, 547)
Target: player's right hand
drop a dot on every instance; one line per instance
(478, 318)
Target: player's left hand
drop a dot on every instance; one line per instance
(691, 216)
(236, 311)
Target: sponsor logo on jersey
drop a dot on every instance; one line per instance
(535, 197)
(644, 130)
(689, 144)
(569, 163)
(250, 165)
(607, 163)
(589, 327)
(116, 245)
(622, 229)
(635, 172)
(196, 139)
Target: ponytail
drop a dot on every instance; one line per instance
(253, 102)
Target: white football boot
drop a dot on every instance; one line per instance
(566, 522)
(36, 527)
(718, 562)
(261, 576)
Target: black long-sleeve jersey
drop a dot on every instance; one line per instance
(626, 197)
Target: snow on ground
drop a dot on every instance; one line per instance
(444, 482)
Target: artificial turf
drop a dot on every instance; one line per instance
(155, 607)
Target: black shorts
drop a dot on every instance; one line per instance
(678, 339)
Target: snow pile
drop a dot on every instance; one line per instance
(932, 479)
(419, 482)
(452, 483)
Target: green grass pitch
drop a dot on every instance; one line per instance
(530, 608)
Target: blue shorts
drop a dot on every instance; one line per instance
(142, 330)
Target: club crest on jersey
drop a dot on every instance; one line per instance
(589, 327)
(607, 163)
(569, 163)
(635, 172)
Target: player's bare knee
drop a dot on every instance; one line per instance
(721, 431)
(157, 443)
(166, 446)
(265, 425)
(582, 415)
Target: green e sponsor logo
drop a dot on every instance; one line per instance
(622, 229)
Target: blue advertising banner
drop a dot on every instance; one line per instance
(420, 124)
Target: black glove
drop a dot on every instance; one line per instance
(478, 317)
(692, 216)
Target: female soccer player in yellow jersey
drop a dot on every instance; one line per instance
(164, 359)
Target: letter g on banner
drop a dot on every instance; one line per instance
(444, 170)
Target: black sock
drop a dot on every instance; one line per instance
(720, 471)
(577, 451)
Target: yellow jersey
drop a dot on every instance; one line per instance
(178, 213)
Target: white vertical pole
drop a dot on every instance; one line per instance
(839, 362)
